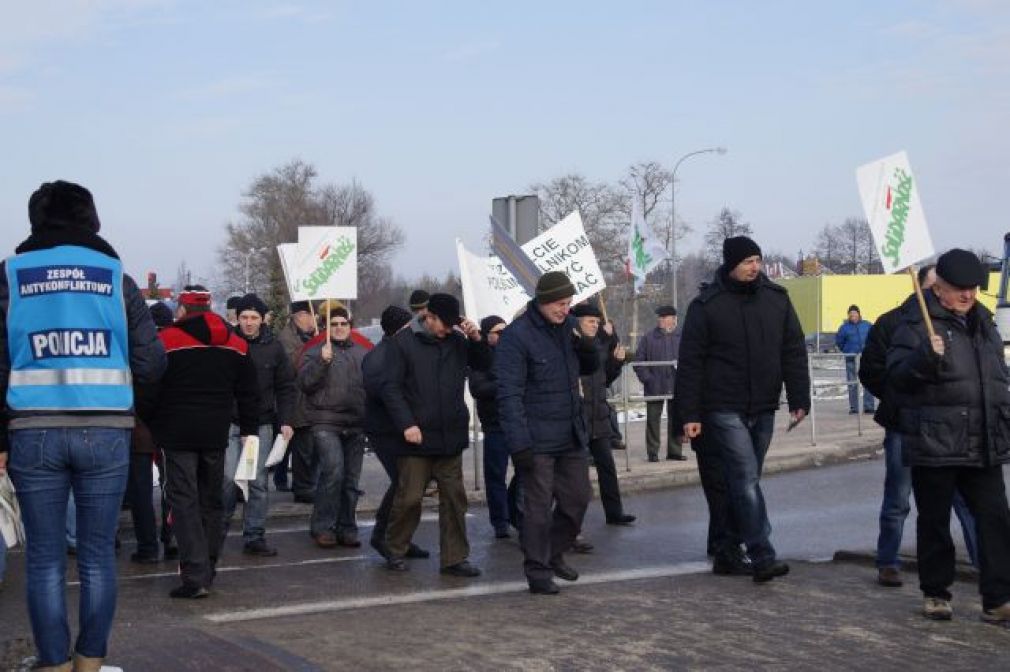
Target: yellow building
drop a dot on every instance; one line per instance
(822, 302)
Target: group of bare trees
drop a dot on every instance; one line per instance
(847, 247)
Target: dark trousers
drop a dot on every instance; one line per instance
(496, 465)
(653, 414)
(984, 492)
(140, 496)
(382, 447)
(723, 536)
(606, 477)
(556, 493)
(405, 514)
(304, 464)
(165, 535)
(193, 487)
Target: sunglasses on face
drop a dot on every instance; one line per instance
(496, 332)
(340, 324)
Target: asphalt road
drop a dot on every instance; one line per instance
(645, 600)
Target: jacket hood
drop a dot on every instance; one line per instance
(49, 238)
(208, 328)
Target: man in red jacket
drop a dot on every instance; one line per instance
(209, 370)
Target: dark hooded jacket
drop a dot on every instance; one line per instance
(374, 369)
(147, 356)
(538, 365)
(873, 363)
(209, 372)
(275, 376)
(293, 341)
(595, 408)
(334, 391)
(741, 342)
(953, 411)
(484, 390)
(424, 388)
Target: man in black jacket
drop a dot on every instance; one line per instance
(423, 393)
(276, 378)
(741, 341)
(951, 392)
(538, 363)
(301, 453)
(484, 389)
(596, 410)
(209, 371)
(895, 507)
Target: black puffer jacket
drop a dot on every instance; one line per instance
(595, 408)
(276, 378)
(873, 364)
(952, 410)
(374, 368)
(741, 341)
(334, 391)
(424, 388)
(484, 390)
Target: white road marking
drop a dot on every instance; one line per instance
(429, 517)
(479, 590)
(244, 568)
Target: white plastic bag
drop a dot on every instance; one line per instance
(11, 526)
(247, 461)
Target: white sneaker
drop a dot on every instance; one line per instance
(937, 609)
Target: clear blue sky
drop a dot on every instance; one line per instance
(167, 110)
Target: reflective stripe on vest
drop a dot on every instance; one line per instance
(67, 336)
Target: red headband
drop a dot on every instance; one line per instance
(194, 298)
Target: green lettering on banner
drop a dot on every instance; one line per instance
(895, 235)
(331, 263)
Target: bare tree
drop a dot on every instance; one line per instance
(727, 223)
(848, 247)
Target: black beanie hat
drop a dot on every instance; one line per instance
(392, 319)
(63, 205)
(554, 286)
(489, 323)
(251, 302)
(445, 307)
(666, 311)
(736, 249)
(232, 301)
(854, 307)
(299, 307)
(962, 269)
(586, 310)
(161, 315)
(419, 299)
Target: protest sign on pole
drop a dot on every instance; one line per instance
(488, 287)
(325, 263)
(565, 247)
(644, 252)
(890, 198)
(287, 253)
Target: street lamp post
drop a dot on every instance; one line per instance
(248, 255)
(673, 213)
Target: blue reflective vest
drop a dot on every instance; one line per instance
(67, 332)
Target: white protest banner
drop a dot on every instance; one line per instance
(565, 247)
(890, 198)
(488, 287)
(287, 253)
(325, 264)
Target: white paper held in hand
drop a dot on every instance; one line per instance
(277, 451)
(246, 470)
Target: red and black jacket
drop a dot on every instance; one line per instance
(209, 372)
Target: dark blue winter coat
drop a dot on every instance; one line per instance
(851, 338)
(538, 365)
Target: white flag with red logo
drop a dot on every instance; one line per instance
(890, 196)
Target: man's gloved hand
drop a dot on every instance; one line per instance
(523, 459)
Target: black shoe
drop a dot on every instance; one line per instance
(259, 548)
(563, 570)
(853, 411)
(618, 445)
(502, 533)
(349, 540)
(623, 519)
(544, 587)
(582, 546)
(678, 458)
(766, 573)
(396, 565)
(463, 569)
(305, 499)
(144, 558)
(282, 487)
(653, 458)
(728, 565)
(189, 592)
(416, 552)
(171, 552)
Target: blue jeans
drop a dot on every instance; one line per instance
(496, 465)
(45, 465)
(895, 508)
(742, 441)
(71, 522)
(340, 459)
(3, 557)
(254, 513)
(852, 377)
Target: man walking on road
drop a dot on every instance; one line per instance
(951, 391)
(898, 478)
(276, 380)
(301, 329)
(850, 339)
(538, 363)
(74, 332)
(423, 392)
(209, 371)
(662, 344)
(741, 341)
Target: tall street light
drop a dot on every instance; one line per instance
(250, 253)
(673, 212)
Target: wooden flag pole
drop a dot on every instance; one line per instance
(603, 308)
(328, 304)
(315, 321)
(914, 272)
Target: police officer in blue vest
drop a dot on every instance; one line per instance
(74, 335)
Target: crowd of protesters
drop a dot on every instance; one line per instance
(97, 387)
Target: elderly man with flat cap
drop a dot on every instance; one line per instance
(952, 392)
(661, 344)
